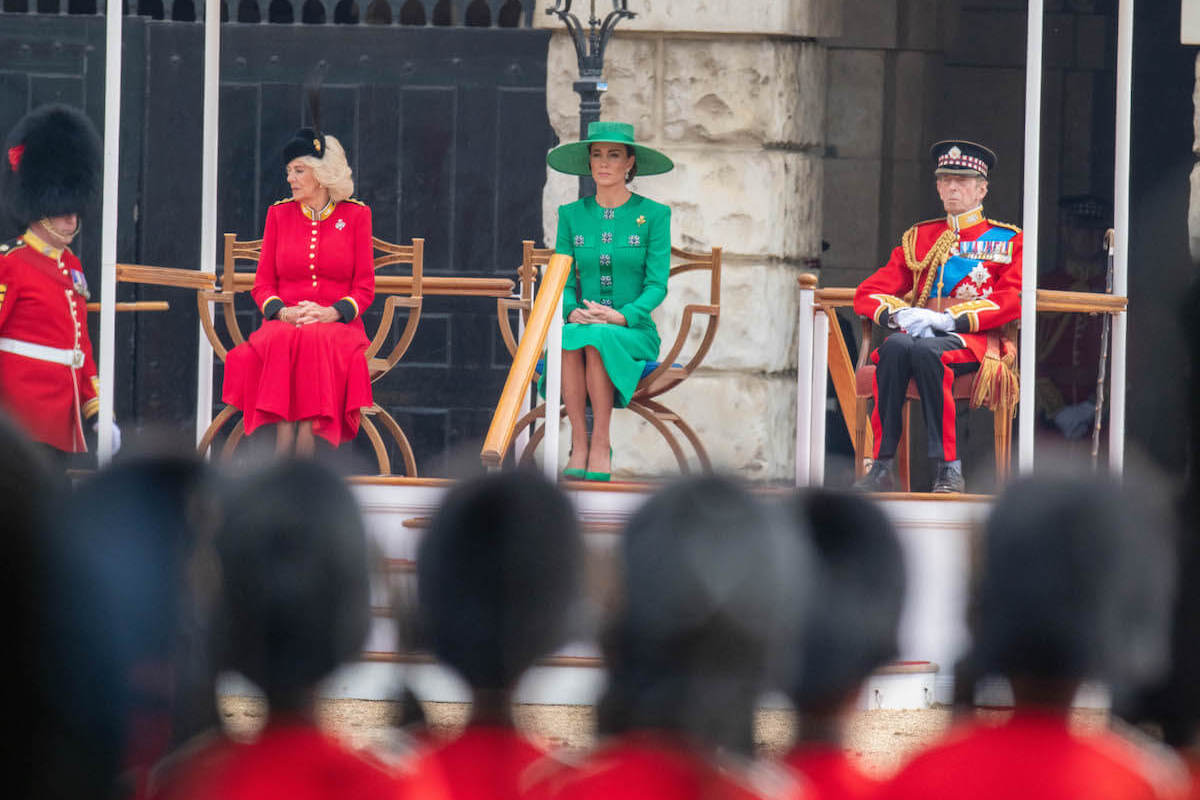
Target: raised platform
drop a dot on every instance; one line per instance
(935, 531)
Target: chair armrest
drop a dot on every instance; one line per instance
(505, 305)
(864, 341)
(380, 367)
(690, 312)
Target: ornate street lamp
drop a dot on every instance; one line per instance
(589, 50)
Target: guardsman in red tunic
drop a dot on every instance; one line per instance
(48, 379)
(850, 629)
(1076, 586)
(498, 576)
(946, 291)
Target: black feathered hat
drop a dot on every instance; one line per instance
(305, 142)
(53, 164)
(497, 576)
(854, 613)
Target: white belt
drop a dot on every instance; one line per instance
(55, 355)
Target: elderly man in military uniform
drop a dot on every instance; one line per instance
(51, 174)
(945, 293)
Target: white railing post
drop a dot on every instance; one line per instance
(1120, 322)
(553, 390)
(208, 204)
(1029, 222)
(819, 402)
(108, 235)
(804, 368)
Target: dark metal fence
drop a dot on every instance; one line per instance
(441, 13)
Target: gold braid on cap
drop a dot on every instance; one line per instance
(938, 254)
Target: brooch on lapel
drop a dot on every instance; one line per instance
(641, 220)
(341, 223)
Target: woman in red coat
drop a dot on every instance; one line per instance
(315, 277)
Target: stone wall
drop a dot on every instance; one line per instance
(734, 92)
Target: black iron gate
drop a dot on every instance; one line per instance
(446, 129)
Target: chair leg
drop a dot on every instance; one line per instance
(397, 434)
(902, 460)
(648, 415)
(1002, 432)
(860, 437)
(665, 413)
(214, 428)
(381, 457)
(536, 432)
(235, 437)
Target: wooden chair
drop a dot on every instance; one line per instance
(864, 382)
(659, 376)
(398, 291)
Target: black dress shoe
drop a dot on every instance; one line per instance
(879, 478)
(949, 478)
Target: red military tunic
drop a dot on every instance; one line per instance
(47, 376)
(289, 761)
(485, 762)
(646, 766)
(969, 267)
(1035, 756)
(831, 773)
(978, 280)
(315, 371)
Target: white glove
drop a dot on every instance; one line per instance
(942, 321)
(904, 317)
(116, 435)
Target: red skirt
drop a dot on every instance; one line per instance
(290, 373)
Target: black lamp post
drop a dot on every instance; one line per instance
(589, 50)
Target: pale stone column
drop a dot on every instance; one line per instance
(734, 93)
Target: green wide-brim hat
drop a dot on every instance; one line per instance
(573, 158)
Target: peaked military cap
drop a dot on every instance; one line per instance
(960, 157)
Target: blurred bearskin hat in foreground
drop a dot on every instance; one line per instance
(1077, 583)
(53, 159)
(853, 617)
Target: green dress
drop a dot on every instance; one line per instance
(622, 259)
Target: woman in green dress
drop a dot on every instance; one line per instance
(621, 245)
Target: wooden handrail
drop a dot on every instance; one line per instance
(545, 306)
(165, 276)
(138, 305)
(441, 285)
(1047, 300)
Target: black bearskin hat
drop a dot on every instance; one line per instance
(853, 617)
(294, 562)
(1077, 584)
(497, 576)
(714, 587)
(53, 164)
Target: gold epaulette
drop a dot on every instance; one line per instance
(354, 200)
(1000, 224)
(284, 200)
(11, 244)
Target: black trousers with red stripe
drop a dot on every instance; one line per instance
(933, 363)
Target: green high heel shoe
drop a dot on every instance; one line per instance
(572, 473)
(601, 477)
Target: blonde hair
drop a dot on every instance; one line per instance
(333, 171)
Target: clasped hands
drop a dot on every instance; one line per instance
(306, 312)
(592, 313)
(923, 323)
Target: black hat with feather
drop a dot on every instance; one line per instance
(53, 164)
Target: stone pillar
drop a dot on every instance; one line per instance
(734, 92)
